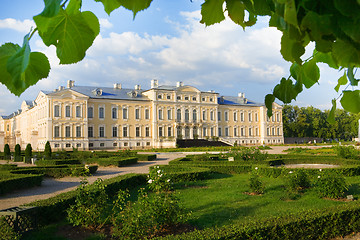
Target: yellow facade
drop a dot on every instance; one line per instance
(116, 118)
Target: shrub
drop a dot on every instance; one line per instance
(346, 151)
(331, 185)
(248, 154)
(47, 150)
(148, 216)
(7, 232)
(158, 181)
(17, 153)
(28, 153)
(7, 152)
(90, 205)
(18, 181)
(146, 157)
(255, 184)
(298, 180)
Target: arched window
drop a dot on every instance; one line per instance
(187, 115)
(194, 115)
(178, 114)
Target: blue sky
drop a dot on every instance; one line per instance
(165, 42)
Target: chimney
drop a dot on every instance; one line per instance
(179, 84)
(137, 87)
(61, 88)
(117, 85)
(70, 83)
(154, 83)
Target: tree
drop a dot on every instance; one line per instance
(17, 153)
(7, 152)
(47, 150)
(28, 153)
(332, 25)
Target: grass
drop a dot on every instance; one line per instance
(221, 201)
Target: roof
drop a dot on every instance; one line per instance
(176, 88)
(230, 100)
(108, 93)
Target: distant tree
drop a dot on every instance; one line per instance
(28, 153)
(47, 150)
(7, 152)
(17, 154)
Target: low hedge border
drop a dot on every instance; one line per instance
(19, 182)
(56, 171)
(324, 224)
(186, 173)
(115, 161)
(52, 162)
(54, 209)
(146, 157)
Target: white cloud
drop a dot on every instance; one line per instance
(17, 25)
(104, 23)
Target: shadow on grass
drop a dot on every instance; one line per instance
(354, 189)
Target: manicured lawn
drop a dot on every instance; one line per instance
(221, 201)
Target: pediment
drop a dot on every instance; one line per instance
(188, 89)
(68, 94)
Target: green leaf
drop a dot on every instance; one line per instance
(52, 8)
(110, 5)
(135, 5)
(325, 58)
(286, 91)
(291, 50)
(316, 25)
(18, 63)
(38, 67)
(236, 10)
(290, 13)
(350, 101)
(311, 73)
(72, 34)
(348, 8)
(341, 81)
(351, 77)
(262, 7)
(73, 7)
(269, 99)
(345, 54)
(351, 27)
(212, 12)
(331, 117)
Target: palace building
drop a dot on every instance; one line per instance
(88, 118)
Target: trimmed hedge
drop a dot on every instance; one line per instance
(57, 162)
(54, 209)
(115, 161)
(146, 157)
(15, 182)
(324, 224)
(186, 173)
(56, 171)
(8, 166)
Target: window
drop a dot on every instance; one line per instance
(102, 144)
(194, 115)
(67, 111)
(204, 132)
(195, 135)
(160, 131)
(137, 113)
(226, 132)
(204, 115)
(147, 143)
(273, 131)
(235, 116)
(242, 132)
(257, 131)
(147, 132)
(212, 115)
(90, 112)
(78, 131)
(187, 132)
(115, 131)
(137, 131)
(178, 114)
(278, 117)
(219, 116)
(125, 144)
(125, 131)
(169, 133)
(160, 114)
(56, 111)
(114, 113)
(159, 96)
(203, 99)
(211, 132)
(114, 144)
(168, 97)
(68, 145)
(226, 116)
(91, 145)
(178, 97)
(138, 144)
(242, 116)
(90, 132)
(186, 114)
(211, 99)
(219, 131)
(125, 113)
(147, 114)
(186, 98)
(194, 98)
(250, 132)
(278, 131)
(78, 111)
(101, 112)
(178, 132)
(235, 132)
(273, 118)
(67, 131)
(169, 114)
(57, 145)
(102, 131)
(56, 131)
(268, 131)
(250, 117)
(256, 117)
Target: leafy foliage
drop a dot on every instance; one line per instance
(255, 184)
(28, 152)
(47, 150)
(158, 181)
(7, 152)
(298, 180)
(331, 185)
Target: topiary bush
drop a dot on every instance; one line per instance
(7, 152)
(28, 153)
(347, 152)
(331, 185)
(47, 150)
(17, 153)
(255, 184)
(298, 180)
